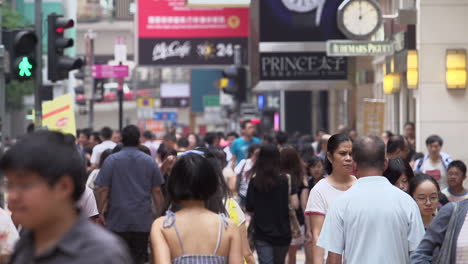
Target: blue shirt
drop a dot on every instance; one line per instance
(240, 147)
(130, 175)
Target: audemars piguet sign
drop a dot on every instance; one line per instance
(290, 66)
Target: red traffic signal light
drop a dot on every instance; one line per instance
(58, 64)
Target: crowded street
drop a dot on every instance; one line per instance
(233, 131)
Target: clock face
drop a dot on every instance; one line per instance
(359, 18)
(301, 6)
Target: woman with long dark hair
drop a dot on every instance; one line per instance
(399, 173)
(268, 202)
(293, 166)
(339, 165)
(176, 237)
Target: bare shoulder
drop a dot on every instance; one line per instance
(158, 224)
(232, 228)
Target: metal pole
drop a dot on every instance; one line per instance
(2, 100)
(120, 96)
(38, 73)
(238, 64)
(89, 80)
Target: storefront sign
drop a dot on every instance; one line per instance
(302, 66)
(359, 48)
(219, 3)
(374, 116)
(170, 33)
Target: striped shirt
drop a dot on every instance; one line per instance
(462, 244)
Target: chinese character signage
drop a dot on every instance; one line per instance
(170, 33)
(288, 66)
(293, 20)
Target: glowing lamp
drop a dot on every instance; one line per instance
(455, 74)
(412, 71)
(391, 83)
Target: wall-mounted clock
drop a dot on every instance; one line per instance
(359, 19)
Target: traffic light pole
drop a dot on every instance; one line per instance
(38, 73)
(2, 99)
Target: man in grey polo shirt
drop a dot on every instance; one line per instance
(127, 181)
(373, 222)
(45, 178)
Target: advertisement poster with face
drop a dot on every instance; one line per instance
(293, 20)
(171, 33)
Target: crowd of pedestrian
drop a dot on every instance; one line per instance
(129, 197)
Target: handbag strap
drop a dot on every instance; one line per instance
(446, 249)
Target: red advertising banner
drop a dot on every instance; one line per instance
(173, 19)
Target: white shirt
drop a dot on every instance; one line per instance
(321, 198)
(8, 233)
(87, 203)
(99, 149)
(437, 171)
(92, 178)
(372, 222)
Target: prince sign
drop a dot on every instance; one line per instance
(290, 66)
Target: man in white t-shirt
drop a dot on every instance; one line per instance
(88, 205)
(106, 135)
(372, 222)
(435, 163)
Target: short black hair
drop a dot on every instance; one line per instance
(245, 122)
(396, 167)
(409, 124)
(106, 133)
(193, 177)
(369, 152)
(458, 164)
(86, 132)
(395, 143)
(170, 137)
(96, 136)
(52, 155)
(281, 137)
(232, 134)
(418, 180)
(210, 138)
(131, 136)
(433, 139)
(183, 142)
(148, 134)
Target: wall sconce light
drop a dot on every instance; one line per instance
(391, 83)
(412, 70)
(456, 69)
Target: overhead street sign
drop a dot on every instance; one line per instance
(359, 48)
(103, 71)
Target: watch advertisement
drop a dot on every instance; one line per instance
(293, 20)
(302, 66)
(170, 33)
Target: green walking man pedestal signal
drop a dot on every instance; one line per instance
(25, 67)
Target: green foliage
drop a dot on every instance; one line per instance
(15, 91)
(11, 18)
